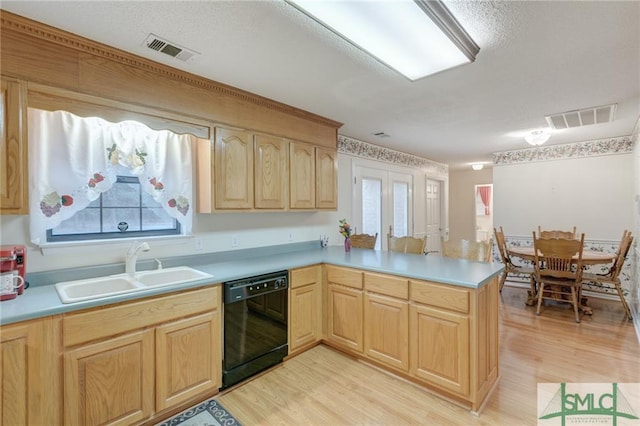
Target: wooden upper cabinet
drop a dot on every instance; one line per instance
(270, 156)
(326, 178)
(233, 165)
(13, 148)
(302, 188)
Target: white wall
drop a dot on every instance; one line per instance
(591, 193)
(462, 201)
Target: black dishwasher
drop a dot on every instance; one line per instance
(255, 325)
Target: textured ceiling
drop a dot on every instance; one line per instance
(536, 58)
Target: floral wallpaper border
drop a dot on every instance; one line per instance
(619, 145)
(626, 275)
(347, 145)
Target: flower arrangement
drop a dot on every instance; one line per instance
(344, 228)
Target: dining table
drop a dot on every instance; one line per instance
(589, 257)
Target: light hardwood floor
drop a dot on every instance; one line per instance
(324, 387)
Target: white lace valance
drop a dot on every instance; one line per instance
(72, 160)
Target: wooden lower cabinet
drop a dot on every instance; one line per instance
(184, 368)
(146, 357)
(30, 373)
(440, 348)
(345, 317)
(386, 330)
(305, 307)
(110, 382)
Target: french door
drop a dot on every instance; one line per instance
(383, 200)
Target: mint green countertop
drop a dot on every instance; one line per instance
(41, 298)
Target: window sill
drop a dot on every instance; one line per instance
(74, 247)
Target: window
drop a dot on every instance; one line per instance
(93, 179)
(123, 211)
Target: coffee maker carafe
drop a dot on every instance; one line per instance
(13, 258)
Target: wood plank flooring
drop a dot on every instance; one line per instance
(325, 387)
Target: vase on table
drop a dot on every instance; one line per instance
(347, 244)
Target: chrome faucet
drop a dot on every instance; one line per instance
(132, 256)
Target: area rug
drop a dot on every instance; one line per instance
(208, 413)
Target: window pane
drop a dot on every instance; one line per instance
(122, 195)
(85, 221)
(148, 201)
(372, 208)
(156, 218)
(400, 209)
(112, 217)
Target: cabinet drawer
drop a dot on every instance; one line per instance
(304, 276)
(344, 276)
(440, 295)
(387, 285)
(111, 320)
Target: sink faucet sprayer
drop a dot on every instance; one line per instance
(132, 256)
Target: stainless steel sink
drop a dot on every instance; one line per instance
(95, 288)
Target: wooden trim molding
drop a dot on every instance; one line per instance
(36, 29)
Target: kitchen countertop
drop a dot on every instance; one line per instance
(42, 299)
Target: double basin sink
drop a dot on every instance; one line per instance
(95, 288)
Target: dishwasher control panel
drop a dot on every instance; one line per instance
(254, 286)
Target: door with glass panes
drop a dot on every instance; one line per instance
(383, 201)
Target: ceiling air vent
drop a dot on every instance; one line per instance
(159, 44)
(582, 117)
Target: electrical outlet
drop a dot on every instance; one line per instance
(234, 241)
(290, 236)
(198, 243)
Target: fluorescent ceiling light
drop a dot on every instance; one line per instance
(416, 38)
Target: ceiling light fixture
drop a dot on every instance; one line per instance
(416, 38)
(537, 137)
(477, 166)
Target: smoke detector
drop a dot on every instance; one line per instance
(582, 117)
(174, 50)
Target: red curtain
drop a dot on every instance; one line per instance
(485, 196)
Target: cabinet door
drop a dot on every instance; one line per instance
(188, 360)
(305, 320)
(13, 148)
(440, 348)
(302, 187)
(270, 172)
(386, 331)
(110, 382)
(233, 164)
(345, 312)
(30, 373)
(326, 178)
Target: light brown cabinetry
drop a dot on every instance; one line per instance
(345, 308)
(386, 320)
(233, 167)
(270, 172)
(305, 307)
(30, 373)
(13, 147)
(302, 175)
(326, 178)
(117, 358)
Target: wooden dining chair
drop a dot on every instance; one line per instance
(365, 241)
(557, 233)
(466, 249)
(610, 282)
(406, 244)
(510, 268)
(560, 278)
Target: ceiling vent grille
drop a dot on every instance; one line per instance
(582, 117)
(159, 44)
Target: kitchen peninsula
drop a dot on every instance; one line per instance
(440, 320)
